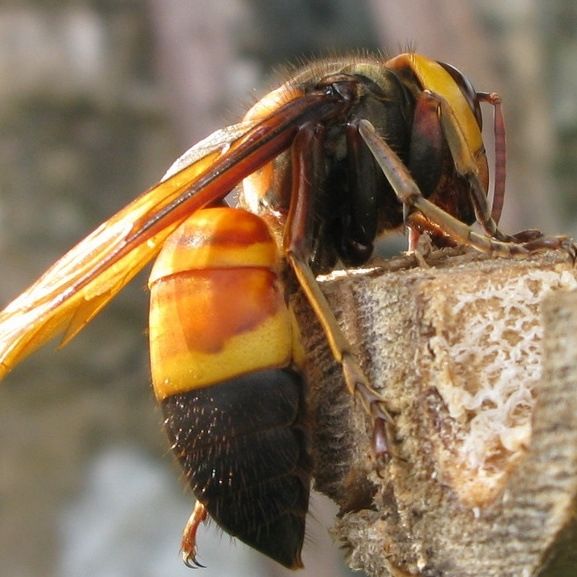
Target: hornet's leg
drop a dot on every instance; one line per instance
(409, 194)
(188, 545)
(306, 162)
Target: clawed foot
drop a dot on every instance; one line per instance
(374, 405)
(188, 545)
(534, 240)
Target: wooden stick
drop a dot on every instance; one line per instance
(483, 481)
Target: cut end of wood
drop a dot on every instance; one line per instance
(457, 351)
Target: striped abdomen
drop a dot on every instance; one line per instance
(223, 362)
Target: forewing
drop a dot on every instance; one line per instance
(84, 280)
(70, 293)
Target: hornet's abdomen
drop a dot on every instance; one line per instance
(223, 365)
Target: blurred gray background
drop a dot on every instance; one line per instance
(96, 99)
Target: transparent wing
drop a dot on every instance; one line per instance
(84, 280)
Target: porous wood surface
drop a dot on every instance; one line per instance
(476, 360)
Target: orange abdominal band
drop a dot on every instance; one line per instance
(217, 308)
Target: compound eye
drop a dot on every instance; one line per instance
(467, 89)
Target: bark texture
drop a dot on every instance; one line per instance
(476, 358)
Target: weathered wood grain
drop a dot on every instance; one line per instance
(482, 380)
